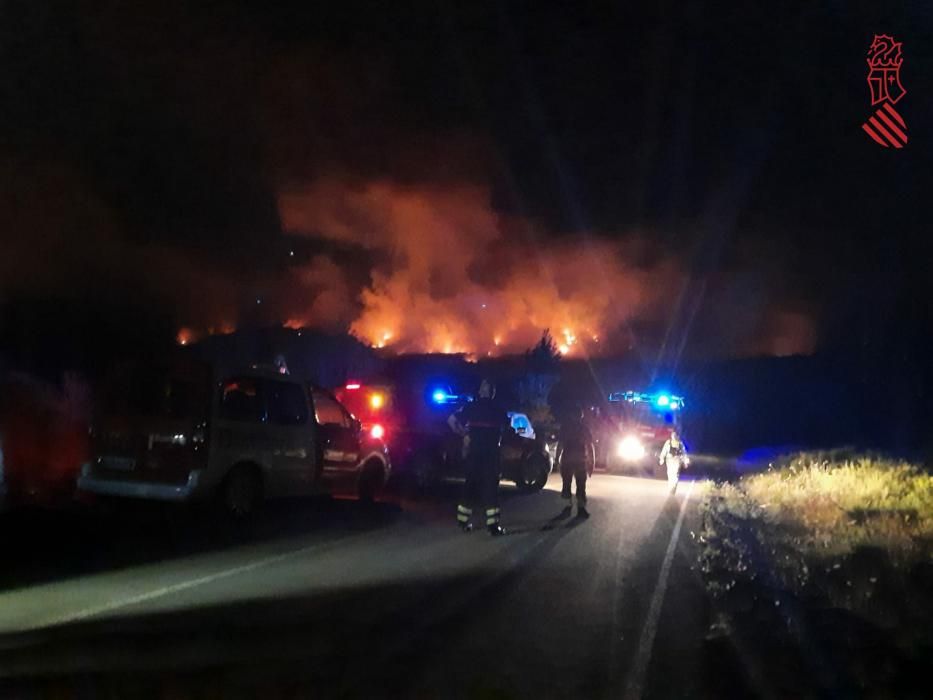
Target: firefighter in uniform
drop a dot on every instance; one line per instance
(480, 424)
(674, 457)
(576, 455)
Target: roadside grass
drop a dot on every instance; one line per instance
(816, 546)
(832, 508)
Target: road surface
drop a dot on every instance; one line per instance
(333, 598)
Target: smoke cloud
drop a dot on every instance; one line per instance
(453, 275)
(217, 175)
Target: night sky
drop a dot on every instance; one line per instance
(684, 178)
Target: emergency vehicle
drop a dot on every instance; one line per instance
(412, 419)
(633, 429)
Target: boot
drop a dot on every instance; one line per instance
(466, 527)
(496, 530)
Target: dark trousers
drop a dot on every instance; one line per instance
(482, 485)
(570, 470)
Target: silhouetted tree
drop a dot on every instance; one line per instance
(543, 358)
(542, 371)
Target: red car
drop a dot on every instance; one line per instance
(43, 439)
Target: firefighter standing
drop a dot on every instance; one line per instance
(674, 457)
(576, 454)
(480, 423)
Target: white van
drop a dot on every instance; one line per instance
(184, 434)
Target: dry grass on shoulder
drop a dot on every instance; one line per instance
(832, 508)
(831, 552)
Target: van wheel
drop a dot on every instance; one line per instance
(370, 482)
(241, 493)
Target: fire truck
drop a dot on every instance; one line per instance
(633, 427)
(411, 418)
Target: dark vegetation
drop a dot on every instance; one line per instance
(820, 573)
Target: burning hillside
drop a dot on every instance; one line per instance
(453, 275)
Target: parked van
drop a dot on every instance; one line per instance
(186, 433)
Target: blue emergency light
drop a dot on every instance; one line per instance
(663, 401)
(442, 396)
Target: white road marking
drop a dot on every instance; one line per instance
(636, 679)
(95, 610)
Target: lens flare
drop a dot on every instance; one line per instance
(631, 449)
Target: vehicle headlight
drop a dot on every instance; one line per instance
(631, 448)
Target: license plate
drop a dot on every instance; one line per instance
(123, 464)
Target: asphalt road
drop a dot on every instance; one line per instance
(332, 598)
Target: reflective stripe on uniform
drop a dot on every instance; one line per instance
(492, 511)
(463, 518)
(492, 516)
(464, 510)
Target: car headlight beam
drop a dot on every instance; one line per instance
(631, 448)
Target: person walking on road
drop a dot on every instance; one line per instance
(576, 454)
(674, 457)
(480, 423)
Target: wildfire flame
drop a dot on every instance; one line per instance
(455, 276)
(449, 274)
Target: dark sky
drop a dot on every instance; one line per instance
(172, 154)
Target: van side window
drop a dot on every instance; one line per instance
(327, 411)
(240, 400)
(287, 404)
